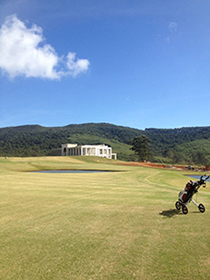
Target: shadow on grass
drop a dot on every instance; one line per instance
(170, 213)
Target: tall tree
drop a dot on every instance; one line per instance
(140, 145)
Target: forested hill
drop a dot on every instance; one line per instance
(35, 140)
(181, 144)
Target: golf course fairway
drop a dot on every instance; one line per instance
(109, 225)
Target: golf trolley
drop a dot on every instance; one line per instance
(185, 196)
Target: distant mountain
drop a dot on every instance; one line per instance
(187, 145)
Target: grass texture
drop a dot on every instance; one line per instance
(116, 225)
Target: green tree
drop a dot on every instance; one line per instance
(199, 158)
(141, 147)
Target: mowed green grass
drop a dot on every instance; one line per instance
(116, 225)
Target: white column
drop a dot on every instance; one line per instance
(110, 153)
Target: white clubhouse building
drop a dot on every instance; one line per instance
(87, 150)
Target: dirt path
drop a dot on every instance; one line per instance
(154, 165)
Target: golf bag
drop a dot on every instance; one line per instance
(185, 196)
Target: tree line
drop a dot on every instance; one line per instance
(183, 145)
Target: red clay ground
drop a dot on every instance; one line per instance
(155, 165)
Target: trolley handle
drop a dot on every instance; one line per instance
(203, 181)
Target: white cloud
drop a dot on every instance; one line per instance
(76, 66)
(172, 27)
(23, 52)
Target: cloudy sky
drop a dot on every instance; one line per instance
(136, 63)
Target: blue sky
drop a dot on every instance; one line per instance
(139, 64)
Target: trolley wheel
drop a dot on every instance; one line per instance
(184, 209)
(178, 206)
(201, 208)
